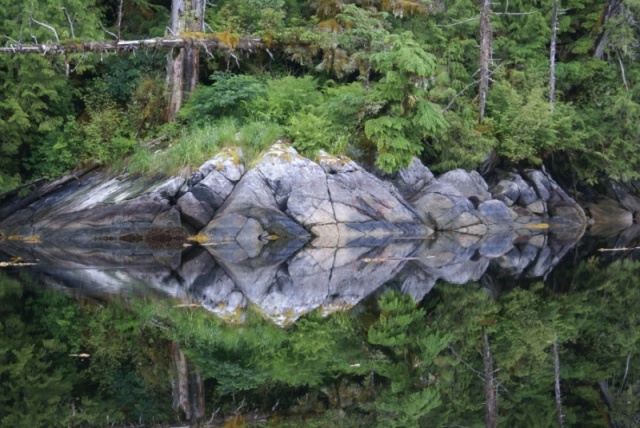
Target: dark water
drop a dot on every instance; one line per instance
(132, 336)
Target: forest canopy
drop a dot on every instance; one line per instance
(455, 82)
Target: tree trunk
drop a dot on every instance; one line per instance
(187, 386)
(552, 56)
(490, 393)
(556, 375)
(613, 8)
(485, 55)
(183, 63)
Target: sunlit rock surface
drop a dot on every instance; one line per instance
(291, 235)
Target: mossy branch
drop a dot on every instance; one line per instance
(246, 44)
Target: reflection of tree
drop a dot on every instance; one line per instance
(36, 378)
(63, 364)
(397, 365)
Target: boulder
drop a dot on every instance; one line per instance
(440, 204)
(541, 183)
(209, 187)
(170, 188)
(470, 185)
(506, 191)
(194, 212)
(411, 180)
(495, 213)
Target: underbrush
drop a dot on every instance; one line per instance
(195, 145)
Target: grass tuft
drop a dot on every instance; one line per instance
(194, 146)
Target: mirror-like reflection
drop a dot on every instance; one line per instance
(248, 299)
(286, 281)
(143, 359)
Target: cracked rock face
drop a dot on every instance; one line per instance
(209, 187)
(291, 234)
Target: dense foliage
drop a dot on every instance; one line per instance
(89, 363)
(380, 81)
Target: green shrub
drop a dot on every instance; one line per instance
(285, 97)
(405, 117)
(310, 133)
(228, 96)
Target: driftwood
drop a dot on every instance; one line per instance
(605, 250)
(17, 264)
(11, 208)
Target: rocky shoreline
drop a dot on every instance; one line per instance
(291, 234)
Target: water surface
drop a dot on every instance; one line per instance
(322, 336)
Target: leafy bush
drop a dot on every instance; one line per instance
(228, 96)
(105, 136)
(311, 133)
(285, 97)
(407, 117)
(523, 124)
(251, 16)
(463, 144)
(8, 182)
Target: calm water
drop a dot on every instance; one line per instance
(130, 336)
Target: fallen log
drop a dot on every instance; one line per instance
(205, 41)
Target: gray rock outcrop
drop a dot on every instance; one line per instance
(291, 234)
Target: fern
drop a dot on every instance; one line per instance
(395, 151)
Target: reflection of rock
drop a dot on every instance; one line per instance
(207, 283)
(616, 216)
(325, 278)
(331, 278)
(292, 235)
(610, 217)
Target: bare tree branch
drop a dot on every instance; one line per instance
(624, 76)
(469, 85)
(13, 40)
(247, 44)
(119, 24)
(66, 13)
(626, 371)
(455, 97)
(602, 250)
(49, 27)
(515, 13)
(473, 18)
(114, 35)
